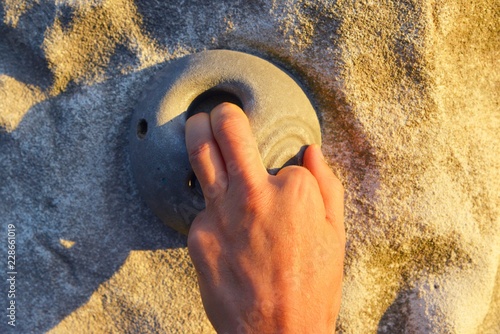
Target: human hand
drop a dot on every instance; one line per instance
(268, 250)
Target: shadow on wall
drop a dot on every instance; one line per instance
(67, 188)
(395, 319)
(197, 22)
(21, 38)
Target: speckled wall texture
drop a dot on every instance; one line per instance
(408, 94)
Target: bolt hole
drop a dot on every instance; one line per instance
(192, 180)
(142, 128)
(193, 184)
(208, 100)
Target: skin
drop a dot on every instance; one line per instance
(268, 250)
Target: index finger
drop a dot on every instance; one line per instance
(237, 145)
(204, 156)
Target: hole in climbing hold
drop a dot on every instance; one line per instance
(192, 180)
(208, 100)
(193, 183)
(142, 128)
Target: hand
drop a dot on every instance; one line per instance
(268, 250)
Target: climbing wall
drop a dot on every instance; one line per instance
(408, 97)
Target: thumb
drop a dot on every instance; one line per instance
(330, 186)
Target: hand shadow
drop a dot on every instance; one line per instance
(67, 188)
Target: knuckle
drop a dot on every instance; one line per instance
(296, 174)
(233, 168)
(198, 150)
(226, 125)
(199, 241)
(213, 191)
(299, 183)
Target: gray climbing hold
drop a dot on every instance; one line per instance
(281, 116)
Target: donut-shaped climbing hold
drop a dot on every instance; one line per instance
(281, 116)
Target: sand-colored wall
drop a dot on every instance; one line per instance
(408, 94)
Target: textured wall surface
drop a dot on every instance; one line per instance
(408, 93)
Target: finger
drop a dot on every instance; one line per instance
(239, 150)
(330, 186)
(205, 157)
